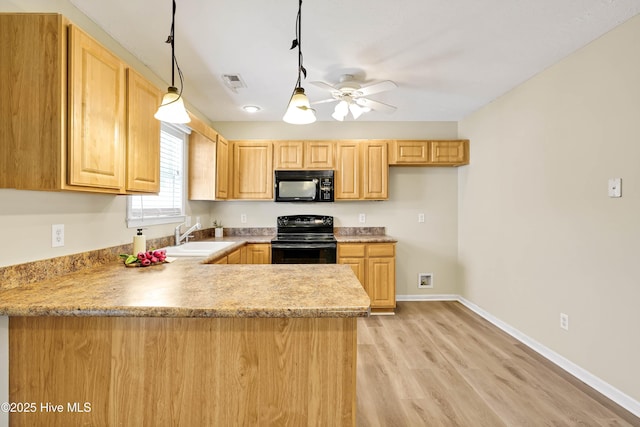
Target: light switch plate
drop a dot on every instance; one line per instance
(615, 187)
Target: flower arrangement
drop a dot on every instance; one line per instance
(144, 259)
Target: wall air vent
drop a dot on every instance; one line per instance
(233, 82)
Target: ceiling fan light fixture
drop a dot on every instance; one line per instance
(299, 111)
(172, 108)
(356, 111)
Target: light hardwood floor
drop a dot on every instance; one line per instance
(440, 364)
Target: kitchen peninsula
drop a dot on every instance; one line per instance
(186, 343)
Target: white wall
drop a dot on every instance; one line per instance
(429, 247)
(537, 233)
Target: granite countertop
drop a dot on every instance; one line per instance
(194, 287)
(354, 238)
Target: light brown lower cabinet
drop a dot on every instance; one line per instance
(374, 264)
(258, 253)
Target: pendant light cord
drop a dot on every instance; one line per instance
(297, 42)
(174, 61)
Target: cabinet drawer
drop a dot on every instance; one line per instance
(381, 249)
(351, 250)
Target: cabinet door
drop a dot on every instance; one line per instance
(222, 169)
(358, 267)
(259, 253)
(381, 281)
(408, 152)
(253, 170)
(451, 153)
(143, 135)
(223, 260)
(202, 160)
(318, 154)
(235, 257)
(375, 170)
(97, 130)
(347, 176)
(288, 155)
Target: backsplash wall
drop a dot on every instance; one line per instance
(429, 247)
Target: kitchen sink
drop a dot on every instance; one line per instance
(196, 248)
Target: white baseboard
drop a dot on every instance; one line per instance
(593, 381)
(442, 297)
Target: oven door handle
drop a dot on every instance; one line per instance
(299, 246)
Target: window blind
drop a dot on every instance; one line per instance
(169, 204)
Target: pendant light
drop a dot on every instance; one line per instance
(172, 108)
(299, 111)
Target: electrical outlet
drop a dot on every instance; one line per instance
(425, 280)
(564, 321)
(420, 217)
(362, 218)
(243, 218)
(57, 235)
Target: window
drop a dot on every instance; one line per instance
(169, 205)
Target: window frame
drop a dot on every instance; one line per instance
(136, 222)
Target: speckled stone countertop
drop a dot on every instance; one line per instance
(365, 239)
(188, 287)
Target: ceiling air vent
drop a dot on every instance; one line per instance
(233, 81)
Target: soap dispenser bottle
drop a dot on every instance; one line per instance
(139, 242)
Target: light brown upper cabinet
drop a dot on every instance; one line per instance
(208, 165)
(66, 97)
(143, 134)
(252, 170)
(449, 153)
(428, 153)
(303, 154)
(362, 170)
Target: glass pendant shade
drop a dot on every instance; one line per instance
(172, 108)
(299, 111)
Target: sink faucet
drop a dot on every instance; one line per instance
(187, 234)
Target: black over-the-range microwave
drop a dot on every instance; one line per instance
(303, 186)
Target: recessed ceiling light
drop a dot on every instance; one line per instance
(251, 108)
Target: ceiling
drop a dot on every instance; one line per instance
(449, 58)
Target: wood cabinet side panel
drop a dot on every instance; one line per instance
(222, 168)
(185, 371)
(202, 160)
(33, 107)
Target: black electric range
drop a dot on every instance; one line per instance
(304, 239)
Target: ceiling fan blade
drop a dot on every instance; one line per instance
(376, 105)
(324, 86)
(377, 87)
(324, 101)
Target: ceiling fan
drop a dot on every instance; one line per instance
(351, 97)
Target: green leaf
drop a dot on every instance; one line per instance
(131, 259)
